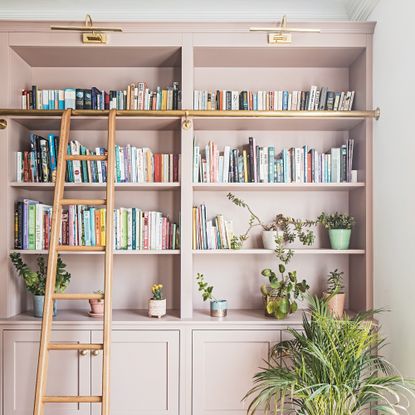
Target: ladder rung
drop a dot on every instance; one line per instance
(72, 399)
(75, 346)
(93, 202)
(76, 296)
(79, 248)
(83, 158)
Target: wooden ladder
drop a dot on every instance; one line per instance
(54, 248)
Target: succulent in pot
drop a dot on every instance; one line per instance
(339, 226)
(334, 295)
(35, 281)
(281, 294)
(218, 308)
(157, 304)
(97, 305)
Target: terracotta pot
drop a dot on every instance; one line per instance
(157, 308)
(336, 303)
(97, 306)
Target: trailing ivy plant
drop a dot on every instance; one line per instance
(204, 288)
(35, 281)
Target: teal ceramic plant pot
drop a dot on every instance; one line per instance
(38, 306)
(340, 238)
(218, 308)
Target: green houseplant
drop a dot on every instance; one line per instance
(35, 281)
(334, 294)
(97, 305)
(332, 367)
(339, 226)
(157, 304)
(218, 308)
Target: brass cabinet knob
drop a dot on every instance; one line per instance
(83, 352)
(95, 352)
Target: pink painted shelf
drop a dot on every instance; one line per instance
(271, 187)
(98, 186)
(301, 251)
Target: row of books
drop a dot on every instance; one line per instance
(255, 164)
(216, 233)
(137, 96)
(314, 99)
(134, 229)
(132, 164)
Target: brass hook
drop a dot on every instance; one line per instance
(186, 123)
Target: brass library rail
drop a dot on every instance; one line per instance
(193, 113)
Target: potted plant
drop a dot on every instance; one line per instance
(97, 305)
(35, 281)
(282, 229)
(334, 294)
(157, 304)
(281, 294)
(331, 367)
(218, 308)
(340, 227)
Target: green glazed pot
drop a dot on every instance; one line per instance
(340, 238)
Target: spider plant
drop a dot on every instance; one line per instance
(333, 367)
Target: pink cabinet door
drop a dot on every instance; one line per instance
(224, 363)
(144, 372)
(69, 372)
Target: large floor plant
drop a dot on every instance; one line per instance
(333, 367)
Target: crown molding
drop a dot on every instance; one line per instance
(360, 10)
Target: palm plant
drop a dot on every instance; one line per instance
(331, 368)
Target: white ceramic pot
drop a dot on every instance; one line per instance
(268, 239)
(157, 308)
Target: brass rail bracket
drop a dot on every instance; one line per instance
(377, 113)
(186, 122)
(3, 124)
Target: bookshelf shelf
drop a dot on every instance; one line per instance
(304, 251)
(98, 186)
(272, 187)
(123, 252)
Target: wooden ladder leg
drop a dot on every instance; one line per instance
(105, 409)
(42, 368)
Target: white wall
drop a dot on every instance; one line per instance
(394, 177)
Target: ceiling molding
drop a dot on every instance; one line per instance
(360, 10)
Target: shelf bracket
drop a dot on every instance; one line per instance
(3, 124)
(186, 122)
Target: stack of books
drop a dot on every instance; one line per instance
(254, 164)
(134, 229)
(137, 96)
(133, 164)
(314, 99)
(216, 233)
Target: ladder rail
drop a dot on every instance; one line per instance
(42, 368)
(105, 406)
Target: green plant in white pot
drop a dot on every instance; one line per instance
(339, 226)
(330, 367)
(35, 281)
(218, 308)
(335, 295)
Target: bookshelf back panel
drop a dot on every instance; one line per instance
(238, 278)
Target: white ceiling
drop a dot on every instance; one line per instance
(186, 10)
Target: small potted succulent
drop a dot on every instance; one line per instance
(282, 229)
(218, 308)
(157, 304)
(340, 227)
(35, 281)
(97, 305)
(334, 295)
(281, 294)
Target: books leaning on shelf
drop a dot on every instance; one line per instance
(314, 99)
(133, 164)
(255, 164)
(211, 234)
(134, 229)
(137, 96)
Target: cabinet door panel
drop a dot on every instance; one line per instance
(68, 374)
(224, 363)
(144, 372)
